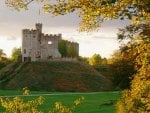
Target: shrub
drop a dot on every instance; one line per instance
(20, 105)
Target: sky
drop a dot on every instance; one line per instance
(103, 42)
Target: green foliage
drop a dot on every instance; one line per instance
(2, 64)
(96, 59)
(3, 59)
(72, 51)
(62, 47)
(67, 49)
(16, 54)
(121, 69)
(2, 55)
(104, 61)
(83, 59)
(19, 105)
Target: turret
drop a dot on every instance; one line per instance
(39, 27)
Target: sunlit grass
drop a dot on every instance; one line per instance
(100, 102)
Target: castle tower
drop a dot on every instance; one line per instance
(39, 27)
(39, 46)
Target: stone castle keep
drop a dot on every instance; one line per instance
(39, 46)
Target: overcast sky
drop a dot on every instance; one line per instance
(103, 42)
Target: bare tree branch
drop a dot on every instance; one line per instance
(28, 2)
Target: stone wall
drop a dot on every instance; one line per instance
(38, 46)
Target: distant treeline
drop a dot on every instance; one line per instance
(94, 60)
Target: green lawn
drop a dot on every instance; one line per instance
(101, 102)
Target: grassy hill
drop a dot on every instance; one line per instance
(104, 70)
(53, 76)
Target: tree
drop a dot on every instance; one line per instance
(95, 60)
(92, 12)
(2, 55)
(136, 99)
(104, 61)
(121, 69)
(3, 59)
(83, 59)
(62, 47)
(16, 54)
(71, 50)
(67, 49)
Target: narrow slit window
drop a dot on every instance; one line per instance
(24, 50)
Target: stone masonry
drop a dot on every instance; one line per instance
(39, 46)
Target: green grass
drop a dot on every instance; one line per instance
(94, 102)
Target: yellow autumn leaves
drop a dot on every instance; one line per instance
(92, 12)
(20, 105)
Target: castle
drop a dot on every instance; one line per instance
(39, 46)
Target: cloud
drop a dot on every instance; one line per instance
(105, 37)
(12, 38)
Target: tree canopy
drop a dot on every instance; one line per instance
(16, 54)
(68, 49)
(136, 99)
(3, 59)
(2, 55)
(92, 12)
(95, 60)
(121, 69)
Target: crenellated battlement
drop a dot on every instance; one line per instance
(53, 36)
(29, 31)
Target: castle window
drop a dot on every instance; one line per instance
(24, 51)
(50, 42)
(26, 36)
(50, 57)
(33, 36)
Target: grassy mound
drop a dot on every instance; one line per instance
(53, 76)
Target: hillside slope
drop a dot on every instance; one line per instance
(53, 76)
